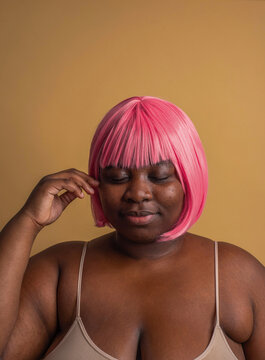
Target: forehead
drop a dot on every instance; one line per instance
(160, 164)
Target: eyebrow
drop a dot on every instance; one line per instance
(160, 163)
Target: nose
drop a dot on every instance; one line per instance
(138, 190)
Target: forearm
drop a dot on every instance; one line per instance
(16, 240)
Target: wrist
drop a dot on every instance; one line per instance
(28, 221)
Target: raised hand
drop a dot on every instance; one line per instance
(44, 205)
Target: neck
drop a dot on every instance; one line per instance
(148, 251)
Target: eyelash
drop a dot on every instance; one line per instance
(117, 181)
(159, 179)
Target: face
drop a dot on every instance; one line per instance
(143, 203)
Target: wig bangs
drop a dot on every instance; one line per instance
(136, 142)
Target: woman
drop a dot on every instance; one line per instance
(150, 289)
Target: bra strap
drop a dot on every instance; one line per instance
(216, 282)
(80, 279)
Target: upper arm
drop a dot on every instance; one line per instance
(37, 317)
(254, 347)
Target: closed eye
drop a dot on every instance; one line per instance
(154, 178)
(119, 180)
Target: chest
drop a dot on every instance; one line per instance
(166, 313)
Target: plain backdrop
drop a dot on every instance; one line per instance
(64, 64)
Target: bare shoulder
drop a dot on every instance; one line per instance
(245, 269)
(42, 274)
(235, 264)
(62, 253)
(231, 256)
(46, 265)
(43, 271)
(241, 261)
(238, 268)
(57, 251)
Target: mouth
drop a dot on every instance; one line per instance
(139, 213)
(142, 217)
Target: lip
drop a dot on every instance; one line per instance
(140, 213)
(142, 217)
(140, 220)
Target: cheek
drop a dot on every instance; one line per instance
(172, 195)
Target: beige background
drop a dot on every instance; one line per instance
(64, 63)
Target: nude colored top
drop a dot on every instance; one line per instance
(77, 344)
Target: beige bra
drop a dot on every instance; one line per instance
(77, 344)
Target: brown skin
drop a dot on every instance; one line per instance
(136, 293)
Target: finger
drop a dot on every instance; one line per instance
(85, 176)
(89, 179)
(66, 198)
(87, 188)
(82, 184)
(75, 174)
(54, 186)
(72, 186)
(72, 179)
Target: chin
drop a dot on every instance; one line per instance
(140, 236)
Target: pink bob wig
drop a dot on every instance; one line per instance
(145, 130)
